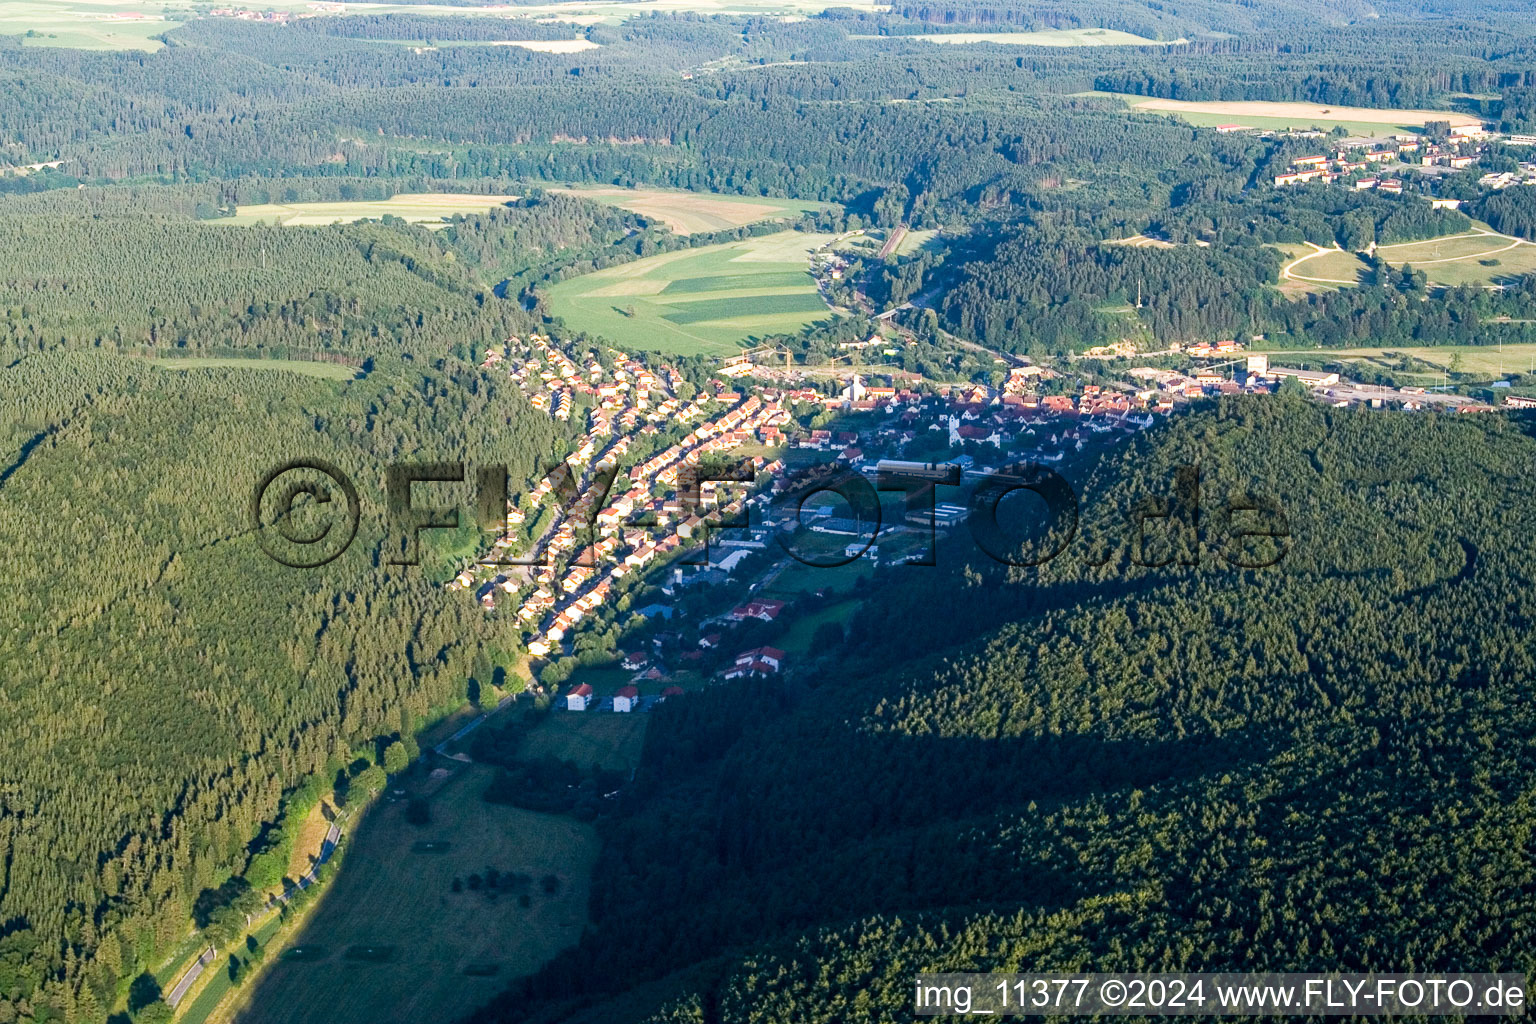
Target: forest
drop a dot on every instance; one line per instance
(1323, 764)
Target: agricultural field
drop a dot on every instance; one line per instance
(129, 24)
(708, 300)
(1049, 37)
(685, 213)
(1480, 257)
(87, 25)
(391, 940)
(429, 209)
(1363, 121)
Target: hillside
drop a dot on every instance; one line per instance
(1323, 764)
(167, 682)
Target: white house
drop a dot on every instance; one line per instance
(626, 699)
(579, 698)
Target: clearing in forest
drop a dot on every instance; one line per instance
(685, 213)
(429, 209)
(1046, 37)
(1479, 257)
(1365, 121)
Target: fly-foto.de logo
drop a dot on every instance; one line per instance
(306, 513)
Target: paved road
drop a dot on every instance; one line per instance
(179, 990)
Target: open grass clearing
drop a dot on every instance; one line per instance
(310, 368)
(797, 639)
(689, 212)
(1045, 37)
(429, 209)
(591, 737)
(708, 300)
(1480, 257)
(396, 943)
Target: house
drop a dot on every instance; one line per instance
(579, 698)
(765, 611)
(626, 699)
(635, 662)
(709, 641)
(760, 661)
(671, 691)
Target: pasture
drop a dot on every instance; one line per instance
(391, 940)
(708, 300)
(429, 209)
(685, 213)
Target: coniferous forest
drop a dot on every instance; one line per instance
(1324, 764)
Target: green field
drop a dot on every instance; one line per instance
(392, 941)
(1478, 258)
(707, 300)
(590, 738)
(429, 209)
(327, 371)
(797, 639)
(688, 212)
(102, 25)
(1048, 37)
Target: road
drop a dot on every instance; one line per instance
(179, 990)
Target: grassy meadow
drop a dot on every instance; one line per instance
(1045, 37)
(1476, 258)
(708, 300)
(310, 368)
(390, 940)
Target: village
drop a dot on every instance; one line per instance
(630, 533)
(1378, 164)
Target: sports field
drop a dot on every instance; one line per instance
(706, 300)
(688, 212)
(1479, 257)
(391, 940)
(426, 208)
(1363, 121)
